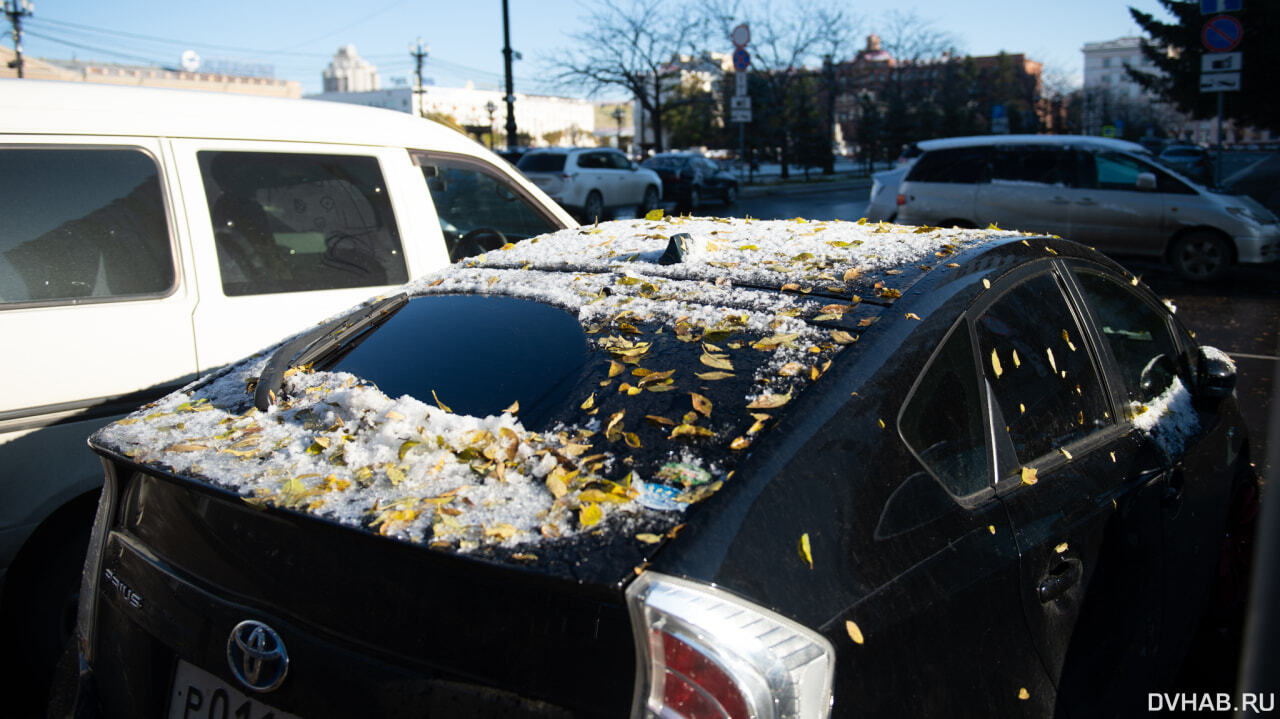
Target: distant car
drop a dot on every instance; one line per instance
(678, 468)
(1105, 193)
(1261, 181)
(690, 179)
(591, 181)
(882, 202)
(1191, 160)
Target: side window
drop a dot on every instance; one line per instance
(590, 161)
(1036, 165)
(1138, 335)
(1035, 361)
(81, 224)
(618, 161)
(943, 422)
(287, 222)
(478, 209)
(962, 165)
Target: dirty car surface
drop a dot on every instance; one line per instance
(681, 467)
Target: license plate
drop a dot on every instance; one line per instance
(197, 694)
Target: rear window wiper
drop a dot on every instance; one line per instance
(321, 342)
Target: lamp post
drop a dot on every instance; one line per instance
(507, 52)
(491, 108)
(16, 10)
(618, 113)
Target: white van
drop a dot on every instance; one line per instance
(149, 236)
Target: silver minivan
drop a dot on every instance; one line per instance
(1105, 193)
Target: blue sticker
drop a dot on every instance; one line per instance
(658, 496)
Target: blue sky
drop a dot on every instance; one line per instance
(465, 38)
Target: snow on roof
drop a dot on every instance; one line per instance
(336, 446)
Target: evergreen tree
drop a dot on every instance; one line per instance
(1175, 50)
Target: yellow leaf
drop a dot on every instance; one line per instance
(881, 423)
(440, 404)
(615, 368)
(556, 486)
(774, 342)
(709, 376)
(589, 514)
(995, 363)
(842, 337)
(1052, 363)
(502, 531)
(589, 403)
(185, 447)
(653, 215)
(632, 439)
(1017, 361)
(395, 416)
(854, 632)
(851, 274)
(1029, 475)
(1024, 694)
(991, 528)
(660, 421)
(407, 445)
(649, 538)
(740, 443)
(791, 369)
(701, 404)
(806, 552)
(912, 316)
(689, 430)
(770, 401)
(515, 407)
(986, 283)
(1060, 548)
(716, 361)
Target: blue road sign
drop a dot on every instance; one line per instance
(1212, 7)
(1221, 33)
(741, 60)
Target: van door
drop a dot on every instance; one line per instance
(1027, 190)
(285, 235)
(1109, 211)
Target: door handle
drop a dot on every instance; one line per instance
(1065, 575)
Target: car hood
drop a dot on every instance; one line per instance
(667, 368)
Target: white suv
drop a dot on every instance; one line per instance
(592, 180)
(149, 236)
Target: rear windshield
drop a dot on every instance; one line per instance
(541, 162)
(666, 163)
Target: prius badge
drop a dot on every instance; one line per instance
(257, 656)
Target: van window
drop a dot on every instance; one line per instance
(1036, 165)
(81, 225)
(479, 208)
(287, 222)
(1113, 171)
(962, 165)
(542, 162)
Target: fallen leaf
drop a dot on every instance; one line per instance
(659, 420)
(701, 404)
(589, 403)
(854, 632)
(995, 363)
(395, 416)
(1060, 548)
(716, 361)
(615, 368)
(740, 443)
(1029, 475)
(842, 337)
(514, 408)
(185, 447)
(806, 552)
(770, 401)
(649, 538)
(1024, 694)
(440, 404)
(711, 376)
(589, 514)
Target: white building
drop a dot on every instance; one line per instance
(548, 120)
(690, 74)
(348, 72)
(1105, 63)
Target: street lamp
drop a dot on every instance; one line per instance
(618, 113)
(491, 108)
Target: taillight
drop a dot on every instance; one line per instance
(902, 200)
(703, 653)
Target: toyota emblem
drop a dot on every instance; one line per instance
(257, 656)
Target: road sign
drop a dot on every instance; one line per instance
(739, 115)
(741, 35)
(1219, 81)
(1221, 33)
(740, 103)
(740, 85)
(741, 60)
(1221, 62)
(1213, 7)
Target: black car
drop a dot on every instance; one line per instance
(691, 179)
(694, 468)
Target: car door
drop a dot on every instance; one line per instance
(595, 173)
(630, 183)
(1108, 209)
(1151, 358)
(1083, 496)
(1026, 191)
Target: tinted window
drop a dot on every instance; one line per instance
(1138, 335)
(541, 162)
(1039, 370)
(1039, 165)
(1116, 172)
(293, 222)
(81, 224)
(479, 209)
(943, 420)
(592, 161)
(617, 161)
(966, 164)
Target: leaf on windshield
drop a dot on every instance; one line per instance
(185, 447)
(842, 337)
(1024, 694)
(649, 538)
(806, 551)
(995, 363)
(770, 401)
(1067, 338)
(659, 421)
(711, 376)
(503, 531)
(514, 408)
(615, 368)
(1017, 361)
(689, 430)
(701, 404)
(718, 361)
(589, 403)
(613, 429)
(769, 343)
(854, 632)
(740, 443)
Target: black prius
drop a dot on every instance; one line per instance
(679, 467)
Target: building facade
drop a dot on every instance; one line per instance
(348, 72)
(147, 76)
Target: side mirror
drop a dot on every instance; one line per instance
(1216, 376)
(1146, 181)
(634, 166)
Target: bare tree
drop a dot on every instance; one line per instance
(631, 44)
(785, 42)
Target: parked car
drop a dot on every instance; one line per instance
(689, 179)
(710, 467)
(1104, 193)
(882, 201)
(590, 181)
(1191, 160)
(151, 236)
(1260, 180)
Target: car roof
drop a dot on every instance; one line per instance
(1101, 143)
(83, 108)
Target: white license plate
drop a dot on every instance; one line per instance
(197, 694)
